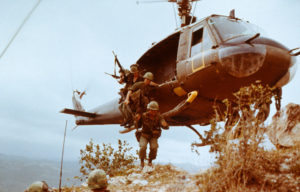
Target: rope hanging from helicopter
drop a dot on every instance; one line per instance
(20, 28)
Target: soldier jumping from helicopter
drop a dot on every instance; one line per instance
(152, 122)
(138, 97)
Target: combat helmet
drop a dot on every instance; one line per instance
(38, 186)
(149, 76)
(134, 68)
(97, 179)
(153, 105)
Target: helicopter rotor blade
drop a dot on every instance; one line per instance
(161, 1)
(152, 1)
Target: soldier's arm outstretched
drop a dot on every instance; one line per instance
(164, 124)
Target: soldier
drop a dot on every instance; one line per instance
(152, 122)
(97, 181)
(134, 75)
(138, 96)
(130, 78)
(123, 79)
(123, 76)
(38, 186)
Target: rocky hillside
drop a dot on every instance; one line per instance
(168, 178)
(17, 173)
(243, 163)
(160, 178)
(284, 130)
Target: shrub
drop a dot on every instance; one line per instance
(242, 162)
(113, 161)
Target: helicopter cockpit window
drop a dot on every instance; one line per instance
(231, 28)
(196, 41)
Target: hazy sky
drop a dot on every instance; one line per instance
(67, 44)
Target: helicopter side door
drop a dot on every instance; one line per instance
(200, 49)
(194, 43)
(183, 54)
(196, 50)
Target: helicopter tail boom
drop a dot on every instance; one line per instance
(108, 113)
(79, 113)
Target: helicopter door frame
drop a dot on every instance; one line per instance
(196, 44)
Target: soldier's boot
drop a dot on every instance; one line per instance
(150, 162)
(142, 163)
(123, 123)
(129, 124)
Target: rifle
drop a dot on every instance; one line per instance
(118, 63)
(114, 76)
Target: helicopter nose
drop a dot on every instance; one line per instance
(242, 60)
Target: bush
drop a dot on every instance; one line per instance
(113, 161)
(242, 162)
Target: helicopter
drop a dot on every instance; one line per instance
(199, 65)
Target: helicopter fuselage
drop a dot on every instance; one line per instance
(215, 57)
(216, 67)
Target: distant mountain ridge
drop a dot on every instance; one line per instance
(17, 173)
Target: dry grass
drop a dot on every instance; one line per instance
(242, 162)
(253, 169)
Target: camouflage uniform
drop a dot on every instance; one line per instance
(140, 97)
(151, 131)
(129, 80)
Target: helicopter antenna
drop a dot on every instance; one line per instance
(62, 156)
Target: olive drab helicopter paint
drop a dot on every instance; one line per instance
(199, 65)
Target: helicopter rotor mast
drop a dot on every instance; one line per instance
(184, 10)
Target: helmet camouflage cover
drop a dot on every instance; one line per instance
(153, 105)
(149, 76)
(97, 179)
(38, 186)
